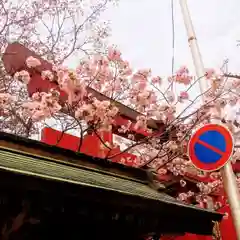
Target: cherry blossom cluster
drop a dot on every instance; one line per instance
(182, 76)
(5, 100)
(110, 75)
(209, 187)
(178, 166)
(22, 76)
(43, 105)
(97, 113)
(185, 196)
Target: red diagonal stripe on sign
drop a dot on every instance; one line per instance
(210, 147)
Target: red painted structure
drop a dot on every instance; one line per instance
(90, 145)
(14, 60)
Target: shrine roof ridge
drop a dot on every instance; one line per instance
(34, 148)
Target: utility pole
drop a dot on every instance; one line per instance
(229, 179)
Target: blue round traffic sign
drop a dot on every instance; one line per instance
(210, 147)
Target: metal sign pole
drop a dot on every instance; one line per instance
(229, 179)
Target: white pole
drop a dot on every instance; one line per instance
(193, 44)
(229, 179)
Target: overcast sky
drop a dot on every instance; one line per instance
(142, 31)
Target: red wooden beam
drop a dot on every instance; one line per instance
(89, 144)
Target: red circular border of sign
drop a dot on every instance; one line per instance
(225, 158)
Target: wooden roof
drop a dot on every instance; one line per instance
(40, 161)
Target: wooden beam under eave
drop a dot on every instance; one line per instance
(14, 60)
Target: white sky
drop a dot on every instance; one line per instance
(142, 31)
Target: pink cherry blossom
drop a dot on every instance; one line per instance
(5, 100)
(44, 105)
(162, 171)
(47, 75)
(182, 70)
(184, 95)
(70, 83)
(182, 197)
(210, 73)
(23, 76)
(114, 54)
(182, 76)
(141, 123)
(183, 183)
(32, 62)
(156, 80)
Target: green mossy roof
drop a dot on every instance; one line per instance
(36, 166)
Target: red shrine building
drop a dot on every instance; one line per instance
(199, 219)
